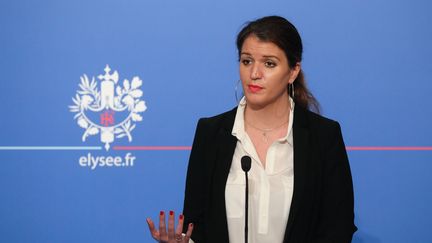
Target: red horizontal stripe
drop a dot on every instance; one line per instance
(152, 147)
(387, 148)
(349, 148)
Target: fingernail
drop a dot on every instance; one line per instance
(190, 225)
(171, 213)
(181, 216)
(161, 213)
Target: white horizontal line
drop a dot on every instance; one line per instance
(50, 148)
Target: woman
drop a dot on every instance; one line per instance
(300, 181)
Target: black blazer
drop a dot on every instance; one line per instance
(322, 208)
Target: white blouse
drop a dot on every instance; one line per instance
(270, 188)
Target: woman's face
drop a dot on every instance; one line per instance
(264, 72)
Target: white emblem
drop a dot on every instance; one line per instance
(106, 113)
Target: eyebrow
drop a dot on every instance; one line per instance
(272, 56)
(265, 56)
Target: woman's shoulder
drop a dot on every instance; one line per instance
(325, 132)
(225, 119)
(314, 121)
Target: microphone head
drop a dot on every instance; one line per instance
(246, 162)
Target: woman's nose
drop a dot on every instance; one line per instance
(255, 72)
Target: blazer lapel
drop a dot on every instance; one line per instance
(226, 143)
(301, 155)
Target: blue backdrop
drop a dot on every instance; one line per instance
(367, 62)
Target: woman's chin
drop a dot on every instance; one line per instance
(255, 102)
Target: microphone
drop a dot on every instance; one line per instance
(246, 165)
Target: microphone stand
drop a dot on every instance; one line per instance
(246, 165)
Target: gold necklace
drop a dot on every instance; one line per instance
(265, 131)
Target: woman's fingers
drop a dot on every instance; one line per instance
(162, 226)
(173, 234)
(171, 225)
(179, 225)
(179, 228)
(153, 231)
(188, 233)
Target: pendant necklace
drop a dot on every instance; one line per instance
(265, 131)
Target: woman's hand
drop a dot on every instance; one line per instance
(171, 236)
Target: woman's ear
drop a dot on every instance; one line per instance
(294, 72)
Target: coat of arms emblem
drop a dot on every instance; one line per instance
(111, 111)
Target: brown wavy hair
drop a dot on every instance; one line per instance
(281, 32)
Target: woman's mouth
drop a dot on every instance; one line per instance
(254, 88)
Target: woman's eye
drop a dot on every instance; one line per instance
(245, 61)
(270, 64)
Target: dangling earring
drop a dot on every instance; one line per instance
(236, 91)
(291, 94)
(291, 90)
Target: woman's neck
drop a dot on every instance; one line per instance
(269, 116)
